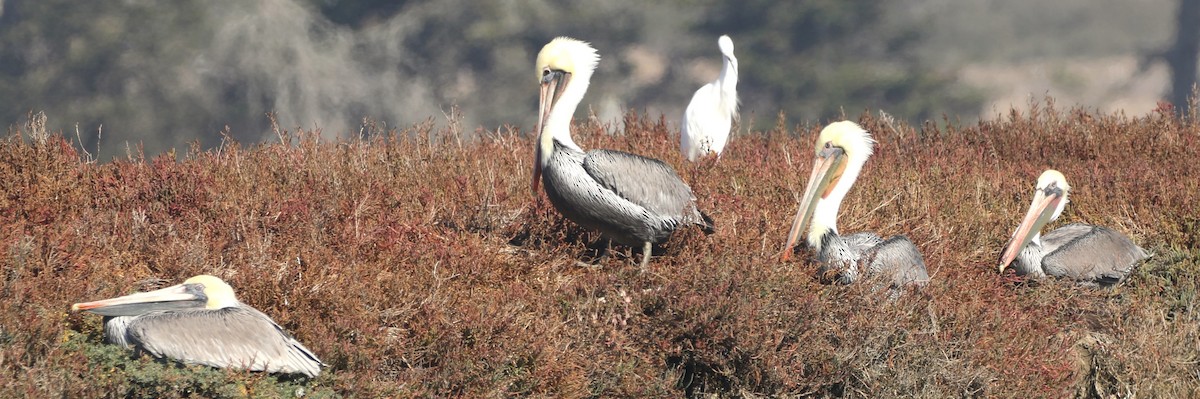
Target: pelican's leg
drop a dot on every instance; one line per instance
(604, 250)
(646, 249)
(600, 256)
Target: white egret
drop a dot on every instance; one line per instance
(709, 117)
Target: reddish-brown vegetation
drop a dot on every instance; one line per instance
(416, 263)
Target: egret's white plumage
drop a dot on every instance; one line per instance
(1091, 255)
(842, 149)
(709, 117)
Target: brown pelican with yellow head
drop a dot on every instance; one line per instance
(634, 200)
(202, 322)
(842, 149)
(1091, 255)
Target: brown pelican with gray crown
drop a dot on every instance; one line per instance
(1091, 255)
(202, 322)
(842, 149)
(634, 200)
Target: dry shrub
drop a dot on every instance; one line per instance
(417, 263)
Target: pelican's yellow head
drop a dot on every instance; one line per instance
(1049, 201)
(848, 136)
(1052, 184)
(219, 293)
(564, 68)
(842, 149)
(1055, 178)
(568, 55)
(841, 146)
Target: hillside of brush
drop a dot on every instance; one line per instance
(417, 263)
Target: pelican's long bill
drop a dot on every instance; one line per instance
(827, 169)
(553, 83)
(1040, 211)
(182, 296)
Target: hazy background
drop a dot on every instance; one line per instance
(168, 73)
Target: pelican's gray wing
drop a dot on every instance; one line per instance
(895, 261)
(860, 243)
(237, 337)
(899, 258)
(1090, 253)
(840, 256)
(647, 182)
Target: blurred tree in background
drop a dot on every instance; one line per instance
(167, 73)
(822, 57)
(95, 63)
(1182, 55)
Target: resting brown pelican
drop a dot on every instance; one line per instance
(1092, 255)
(202, 322)
(709, 116)
(842, 149)
(628, 198)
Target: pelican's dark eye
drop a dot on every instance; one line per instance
(545, 71)
(828, 144)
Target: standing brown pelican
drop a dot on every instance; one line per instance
(202, 322)
(842, 149)
(1092, 255)
(628, 198)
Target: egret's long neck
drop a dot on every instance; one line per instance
(558, 124)
(728, 81)
(824, 218)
